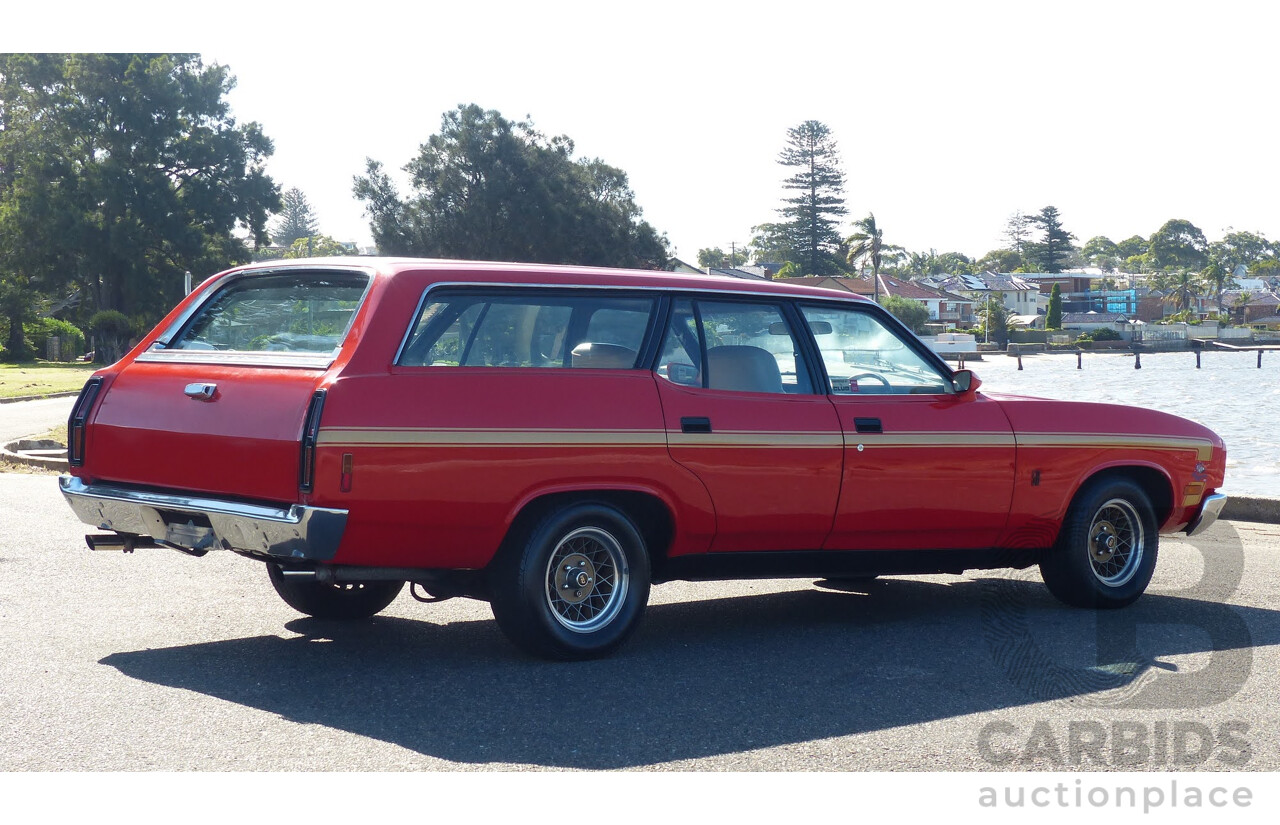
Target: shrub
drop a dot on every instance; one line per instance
(39, 331)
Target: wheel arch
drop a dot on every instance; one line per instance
(652, 517)
(1152, 479)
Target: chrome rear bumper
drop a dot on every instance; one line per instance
(200, 523)
(1208, 514)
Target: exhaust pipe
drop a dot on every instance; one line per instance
(116, 541)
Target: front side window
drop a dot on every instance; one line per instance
(745, 346)
(281, 313)
(546, 328)
(864, 356)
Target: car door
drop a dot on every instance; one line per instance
(741, 413)
(926, 467)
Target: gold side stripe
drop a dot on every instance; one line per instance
(756, 439)
(1202, 447)
(496, 438)
(473, 437)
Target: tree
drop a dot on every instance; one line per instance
(485, 187)
(1101, 251)
(811, 215)
(1052, 251)
(316, 246)
(148, 174)
(296, 220)
(1017, 230)
(867, 245)
(913, 314)
(995, 321)
(1053, 318)
(999, 260)
(1182, 286)
(1217, 277)
(717, 257)
(1179, 244)
(35, 204)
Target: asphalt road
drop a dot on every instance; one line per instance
(158, 661)
(23, 418)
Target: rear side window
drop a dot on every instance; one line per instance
(284, 313)
(528, 330)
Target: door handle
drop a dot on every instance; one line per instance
(200, 392)
(695, 424)
(867, 425)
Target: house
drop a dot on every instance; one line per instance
(677, 265)
(945, 307)
(1248, 307)
(745, 273)
(858, 286)
(1019, 295)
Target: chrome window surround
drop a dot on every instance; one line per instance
(158, 351)
(672, 291)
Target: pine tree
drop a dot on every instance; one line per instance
(1050, 254)
(810, 217)
(296, 219)
(1053, 319)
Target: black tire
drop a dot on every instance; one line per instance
(334, 601)
(1106, 551)
(576, 587)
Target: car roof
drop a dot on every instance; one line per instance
(444, 270)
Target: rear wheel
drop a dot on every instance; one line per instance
(349, 600)
(576, 587)
(1106, 551)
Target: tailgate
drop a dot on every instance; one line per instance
(216, 403)
(240, 435)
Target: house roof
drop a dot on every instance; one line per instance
(737, 273)
(858, 286)
(906, 289)
(1093, 318)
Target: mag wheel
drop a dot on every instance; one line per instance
(352, 600)
(577, 587)
(1106, 551)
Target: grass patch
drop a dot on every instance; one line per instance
(42, 378)
(26, 469)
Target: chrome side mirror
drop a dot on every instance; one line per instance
(965, 381)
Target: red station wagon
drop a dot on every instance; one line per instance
(556, 439)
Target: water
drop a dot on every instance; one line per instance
(1228, 394)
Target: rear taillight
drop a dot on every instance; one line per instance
(78, 421)
(310, 430)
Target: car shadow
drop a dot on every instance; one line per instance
(725, 675)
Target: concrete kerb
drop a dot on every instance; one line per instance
(39, 397)
(1246, 508)
(36, 453)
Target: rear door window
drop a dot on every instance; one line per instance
(536, 329)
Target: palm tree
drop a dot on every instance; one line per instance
(867, 245)
(1184, 286)
(1217, 277)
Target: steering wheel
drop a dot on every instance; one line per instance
(874, 376)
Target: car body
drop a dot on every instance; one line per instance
(555, 439)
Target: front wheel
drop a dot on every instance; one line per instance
(358, 600)
(1106, 550)
(576, 587)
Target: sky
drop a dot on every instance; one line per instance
(949, 117)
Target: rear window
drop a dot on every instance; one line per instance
(285, 313)
(543, 329)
